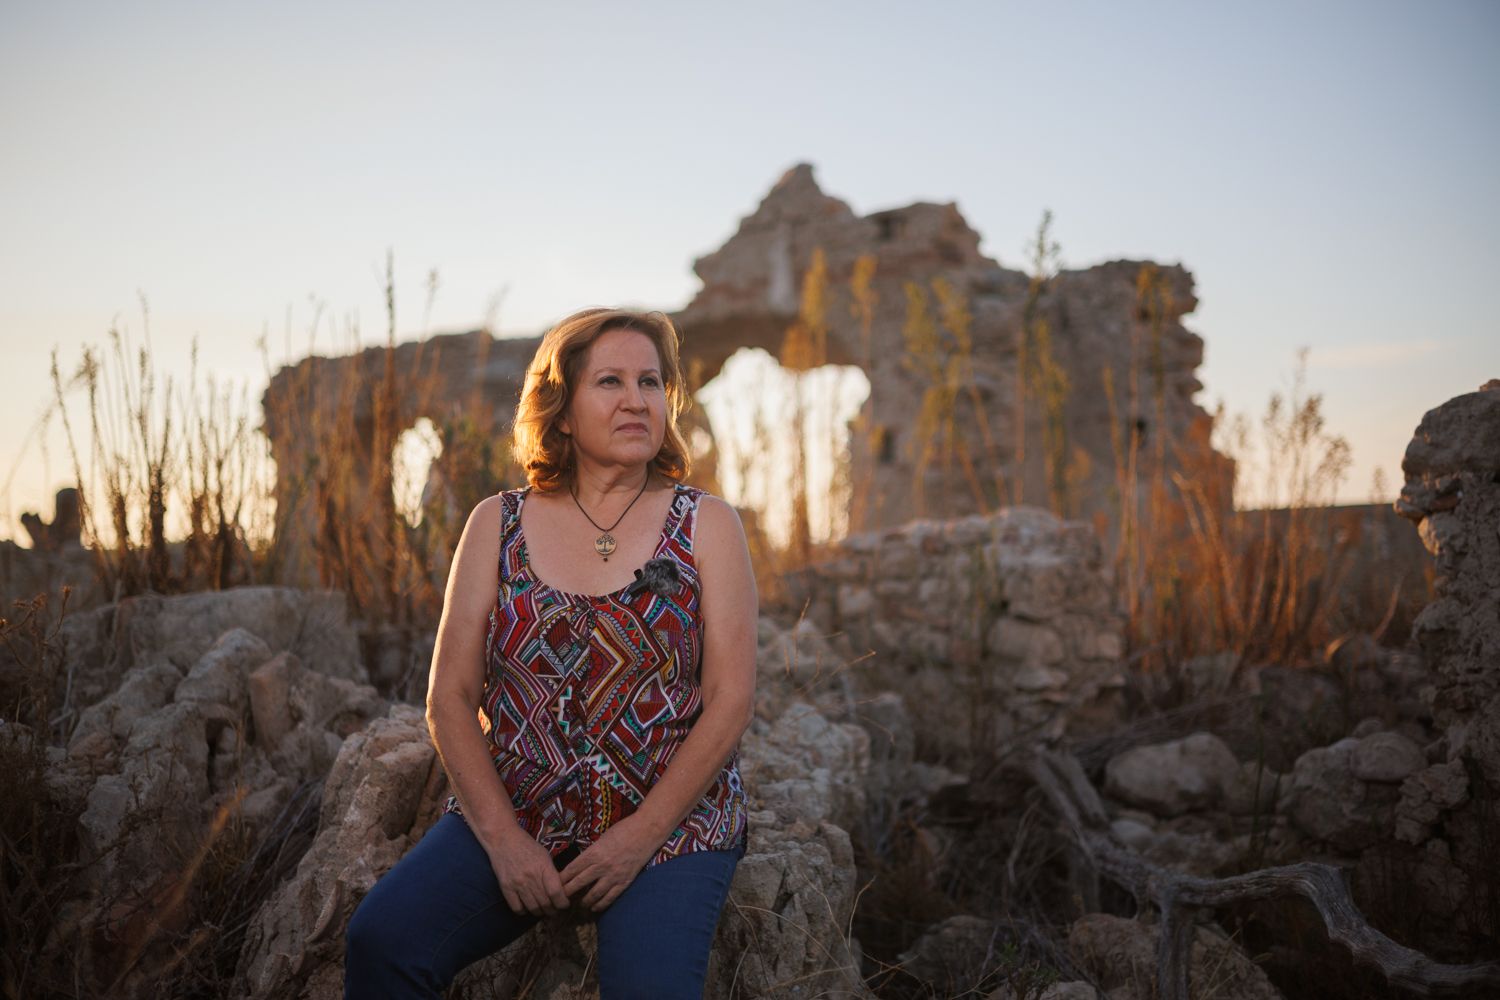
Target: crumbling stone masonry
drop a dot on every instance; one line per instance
(1122, 318)
(997, 629)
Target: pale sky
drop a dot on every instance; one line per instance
(1327, 171)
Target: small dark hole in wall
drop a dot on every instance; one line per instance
(888, 226)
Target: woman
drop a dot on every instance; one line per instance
(612, 675)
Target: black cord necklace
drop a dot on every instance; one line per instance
(605, 543)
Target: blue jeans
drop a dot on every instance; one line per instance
(440, 909)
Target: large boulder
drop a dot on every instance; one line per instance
(1329, 802)
(783, 933)
(380, 796)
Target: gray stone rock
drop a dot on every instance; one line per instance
(372, 813)
(218, 681)
(1173, 777)
(804, 768)
(1386, 756)
(104, 726)
(1426, 795)
(102, 646)
(1327, 802)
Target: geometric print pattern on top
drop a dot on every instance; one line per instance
(588, 697)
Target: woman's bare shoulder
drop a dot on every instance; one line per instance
(718, 534)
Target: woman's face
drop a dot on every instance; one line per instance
(618, 411)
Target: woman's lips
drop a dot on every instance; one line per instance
(634, 428)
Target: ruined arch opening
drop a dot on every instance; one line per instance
(412, 458)
(783, 440)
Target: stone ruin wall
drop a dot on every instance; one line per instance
(750, 295)
(997, 629)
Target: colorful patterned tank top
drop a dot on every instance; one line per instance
(587, 698)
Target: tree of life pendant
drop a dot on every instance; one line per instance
(604, 545)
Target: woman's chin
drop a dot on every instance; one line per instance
(628, 455)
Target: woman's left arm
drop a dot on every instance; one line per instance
(730, 607)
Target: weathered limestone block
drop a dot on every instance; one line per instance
(1452, 492)
(782, 932)
(1387, 757)
(804, 768)
(167, 757)
(144, 819)
(104, 726)
(302, 717)
(800, 664)
(377, 802)
(218, 681)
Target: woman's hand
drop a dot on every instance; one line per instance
(527, 876)
(610, 864)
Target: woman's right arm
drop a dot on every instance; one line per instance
(455, 686)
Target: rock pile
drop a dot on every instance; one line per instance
(200, 709)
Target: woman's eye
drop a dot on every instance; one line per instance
(651, 380)
(608, 379)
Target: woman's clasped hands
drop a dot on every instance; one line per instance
(608, 866)
(528, 879)
(532, 884)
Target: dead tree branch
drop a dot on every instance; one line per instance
(1176, 895)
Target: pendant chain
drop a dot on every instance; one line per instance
(605, 543)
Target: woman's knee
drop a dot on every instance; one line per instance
(374, 933)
